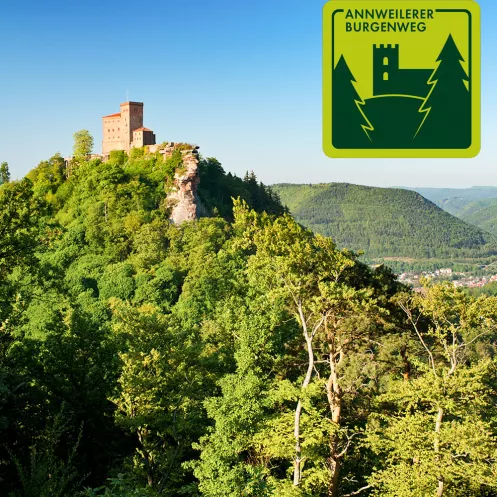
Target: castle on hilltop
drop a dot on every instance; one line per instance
(124, 130)
(389, 79)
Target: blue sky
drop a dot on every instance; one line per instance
(240, 79)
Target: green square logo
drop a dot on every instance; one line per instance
(401, 78)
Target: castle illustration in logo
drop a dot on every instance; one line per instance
(389, 79)
(410, 108)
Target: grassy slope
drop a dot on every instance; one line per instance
(384, 222)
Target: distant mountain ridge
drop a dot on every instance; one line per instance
(384, 222)
(470, 194)
(476, 205)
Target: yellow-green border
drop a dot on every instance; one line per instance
(470, 7)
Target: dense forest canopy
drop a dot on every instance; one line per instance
(237, 355)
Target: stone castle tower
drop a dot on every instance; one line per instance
(124, 130)
(389, 79)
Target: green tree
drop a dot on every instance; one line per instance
(47, 177)
(4, 173)
(83, 144)
(20, 237)
(285, 421)
(447, 108)
(218, 189)
(350, 124)
(334, 318)
(160, 392)
(435, 434)
(49, 475)
(20, 240)
(75, 364)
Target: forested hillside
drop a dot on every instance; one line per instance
(384, 222)
(482, 213)
(237, 355)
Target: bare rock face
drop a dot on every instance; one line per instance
(183, 197)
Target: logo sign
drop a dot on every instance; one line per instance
(401, 78)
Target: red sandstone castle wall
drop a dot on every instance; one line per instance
(132, 118)
(111, 133)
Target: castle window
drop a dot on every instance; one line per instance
(385, 61)
(385, 76)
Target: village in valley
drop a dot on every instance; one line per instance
(458, 279)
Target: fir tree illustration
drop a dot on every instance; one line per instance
(447, 108)
(351, 127)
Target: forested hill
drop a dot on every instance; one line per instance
(138, 185)
(73, 240)
(383, 221)
(240, 354)
(481, 213)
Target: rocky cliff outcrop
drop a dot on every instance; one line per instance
(183, 198)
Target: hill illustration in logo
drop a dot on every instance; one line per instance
(410, 108)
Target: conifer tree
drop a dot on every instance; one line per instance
(447, 123)
(4, 173)
(350, 125)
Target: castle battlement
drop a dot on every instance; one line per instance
(378, 46)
